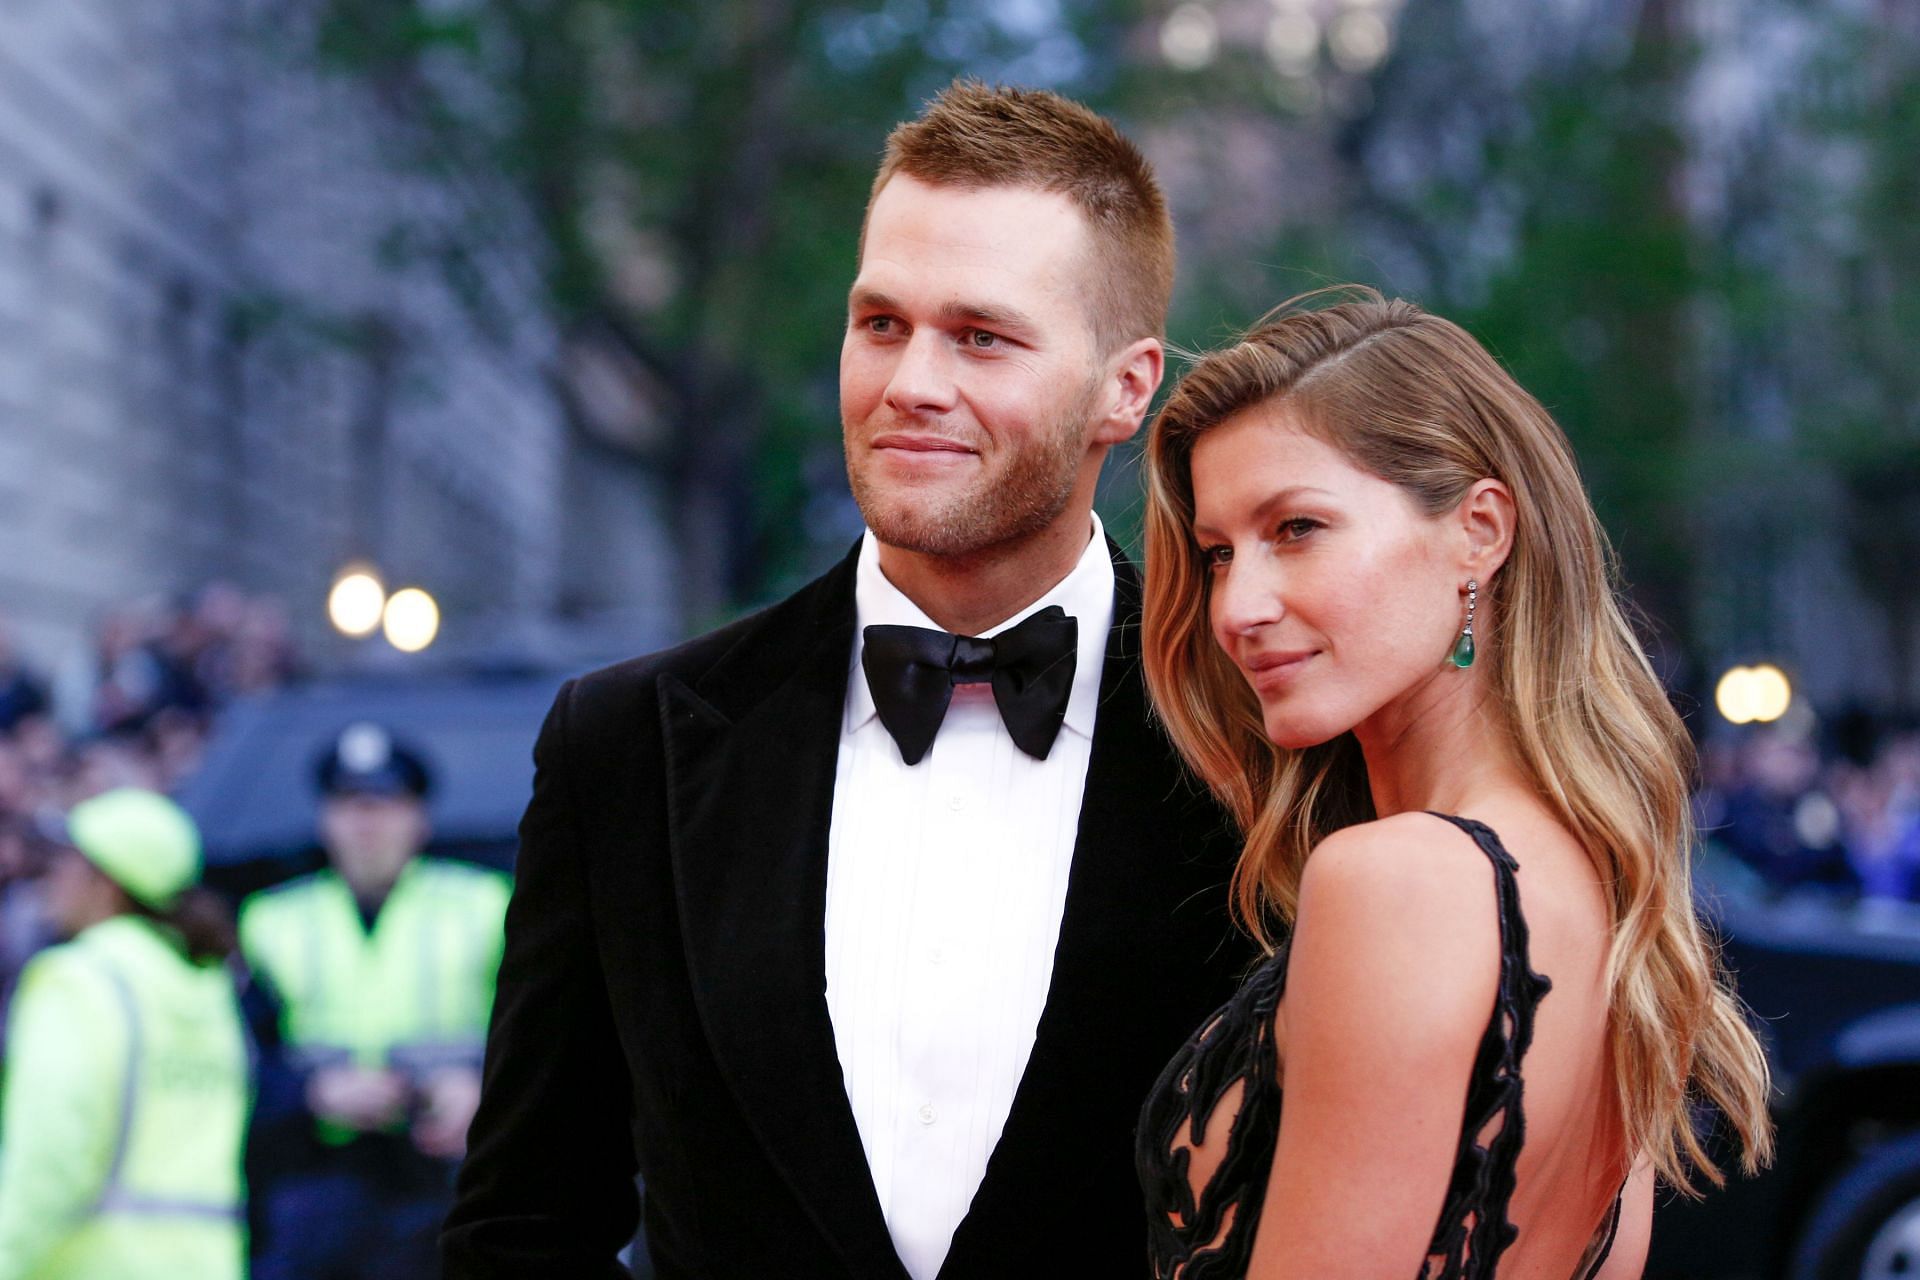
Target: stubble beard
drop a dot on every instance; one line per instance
(996, 510)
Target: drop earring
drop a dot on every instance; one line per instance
(1462, 655)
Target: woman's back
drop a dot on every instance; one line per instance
(1573, 1162)
(1503, 1014)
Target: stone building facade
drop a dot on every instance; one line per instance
(233, 343)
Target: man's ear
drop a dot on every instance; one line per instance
(1486, 517)
(1133, 375)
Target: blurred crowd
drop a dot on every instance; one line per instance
(133, 710)
(303, 1061)
(1838, 813)
(136, 708)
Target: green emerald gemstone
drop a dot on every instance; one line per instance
(1462, 655)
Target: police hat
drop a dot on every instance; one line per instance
(365, 759)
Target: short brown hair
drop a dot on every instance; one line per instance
(977, 135)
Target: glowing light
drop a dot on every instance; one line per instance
(1190, 38)
(1293, 42)
(1759, 694)
(412, 620)
(355, 603)
(1359, 40)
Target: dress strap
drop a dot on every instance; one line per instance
(1602, 1243)
(1474, 1223)
(1518, 981)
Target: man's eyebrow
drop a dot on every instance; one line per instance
(863, 298)
(987, 315)
(957, 312)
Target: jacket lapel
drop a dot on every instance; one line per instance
(751, 754)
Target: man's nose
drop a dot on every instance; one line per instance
(922, 381)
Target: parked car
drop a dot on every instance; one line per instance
(254, 794)
(1835, 985)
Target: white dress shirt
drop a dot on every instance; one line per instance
(945, 885)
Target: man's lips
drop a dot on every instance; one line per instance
(907, 442)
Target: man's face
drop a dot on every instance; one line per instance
(970, 382)
(370, 838)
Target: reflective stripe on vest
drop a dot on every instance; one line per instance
(115, 1197)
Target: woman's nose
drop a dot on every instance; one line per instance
(1244, 600)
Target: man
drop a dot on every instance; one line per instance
(383, 967)
(862, 926)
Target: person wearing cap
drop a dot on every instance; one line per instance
(382, 964)
(127, 1086)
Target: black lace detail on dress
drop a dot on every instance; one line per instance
(1209, 1235)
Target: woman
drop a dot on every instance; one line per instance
(1380, 624)
(127, 1083)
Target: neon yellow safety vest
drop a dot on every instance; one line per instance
(124, 1119)
(412, 994)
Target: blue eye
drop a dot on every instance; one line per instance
(981, 340)
(1295, 529)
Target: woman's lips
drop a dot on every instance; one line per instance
(1266, 671)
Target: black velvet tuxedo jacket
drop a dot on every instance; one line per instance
(662, 1004)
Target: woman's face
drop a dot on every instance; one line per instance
(77, 896)
(1331, 592)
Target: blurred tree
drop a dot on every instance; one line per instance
(1538, 205)
(697, 170)
(1863, 412)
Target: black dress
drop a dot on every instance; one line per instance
(1187, 1239)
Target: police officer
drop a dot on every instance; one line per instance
(127, 1089)
(383, 966)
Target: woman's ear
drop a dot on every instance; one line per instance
(1486, 518)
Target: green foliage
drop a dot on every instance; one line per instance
(696, 171)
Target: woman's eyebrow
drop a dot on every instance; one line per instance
(1279, 498)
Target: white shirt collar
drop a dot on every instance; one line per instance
(1086, 593)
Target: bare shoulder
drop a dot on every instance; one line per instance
(1399, 916)
(1410, 867)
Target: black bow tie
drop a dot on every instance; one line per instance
(912, 671)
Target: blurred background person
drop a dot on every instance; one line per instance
(1778, 818)
(25, 923)
(383, 966)
(127, 1088)
(22, 692)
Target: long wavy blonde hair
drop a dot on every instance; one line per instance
(1414, 400)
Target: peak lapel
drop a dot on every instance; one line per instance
(750, 767)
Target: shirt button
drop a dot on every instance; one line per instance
(937, 955)
(956, 802)
(927, 1114)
